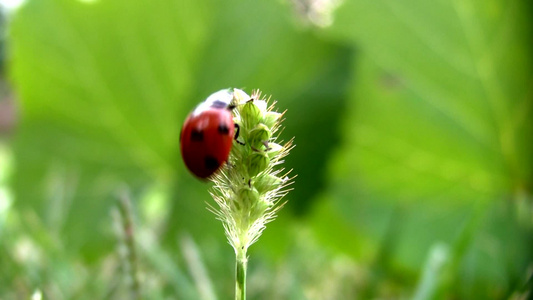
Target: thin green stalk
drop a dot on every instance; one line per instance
(126, 215)
(241, 262)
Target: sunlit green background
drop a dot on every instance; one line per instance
(412, 125)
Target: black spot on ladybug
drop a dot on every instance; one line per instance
(223, 129)
(197, 135)
(211, 163)
(219, 104)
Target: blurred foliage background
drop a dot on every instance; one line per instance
(414, 155)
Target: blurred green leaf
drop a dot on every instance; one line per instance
(441, 105)
(439, 123)
(98, 103)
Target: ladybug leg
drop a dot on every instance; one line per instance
(237, 131)
(267, 147)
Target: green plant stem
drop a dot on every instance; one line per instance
(129, 238)
(240, 275)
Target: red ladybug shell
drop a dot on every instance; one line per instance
(207, 137)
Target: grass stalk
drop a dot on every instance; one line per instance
(241, 263)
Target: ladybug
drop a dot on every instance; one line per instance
(207, 134)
